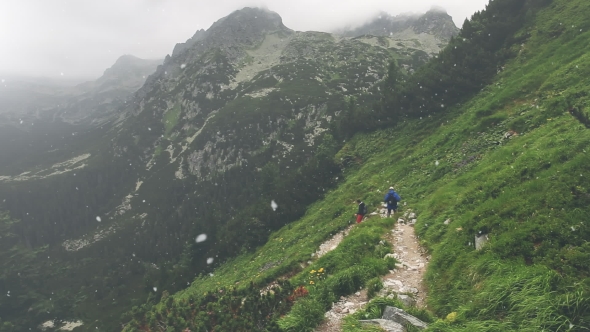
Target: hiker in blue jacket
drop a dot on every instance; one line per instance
(391, 198)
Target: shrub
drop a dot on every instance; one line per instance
(373, 286)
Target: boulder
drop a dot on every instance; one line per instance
(480, 241)
(401, 317)
(387, 325)
(408, 301)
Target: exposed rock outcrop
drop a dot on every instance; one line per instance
(435, 22)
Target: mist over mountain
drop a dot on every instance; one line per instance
(435, 22)
(27, 100)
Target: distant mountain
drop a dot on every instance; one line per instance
(97, 101)
(126, 76)
(434, 23)
(92, 101)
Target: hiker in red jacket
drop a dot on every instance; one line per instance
(361, 211)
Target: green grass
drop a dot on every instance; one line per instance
(171, 119)
(530, 193)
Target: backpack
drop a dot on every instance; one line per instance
(365, 210)
(392, 198)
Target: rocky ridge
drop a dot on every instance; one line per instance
(434, 28)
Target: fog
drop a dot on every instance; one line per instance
(79, 39)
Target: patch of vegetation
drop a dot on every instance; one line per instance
(171, 119)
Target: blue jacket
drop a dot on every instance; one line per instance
(392, 196)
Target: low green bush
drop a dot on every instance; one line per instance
(373, 286)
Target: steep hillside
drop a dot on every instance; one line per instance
(242, 114)
(508, 165)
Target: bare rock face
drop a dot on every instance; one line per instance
(247, 26)
(406, 300)
(435, 22)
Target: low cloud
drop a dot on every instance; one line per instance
(83, 38)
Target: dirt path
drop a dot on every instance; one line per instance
(332, 243)
(406, 279)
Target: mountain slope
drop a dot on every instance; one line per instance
(510, 163)
(242, 114)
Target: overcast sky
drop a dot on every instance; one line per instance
(81, 38)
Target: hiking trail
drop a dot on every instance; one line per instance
(406, 280)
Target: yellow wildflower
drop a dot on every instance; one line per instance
(451, 317)
(321, 270)
(312, 271)
(311, 282)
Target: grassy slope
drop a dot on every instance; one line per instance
(530, 193)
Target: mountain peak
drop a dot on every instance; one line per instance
(248, 21)
(438, 22)
(130, 69)
(437, 10)
(128, 60)
(250, 15)
(434, 22)
(245, 25)
(125, 58)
